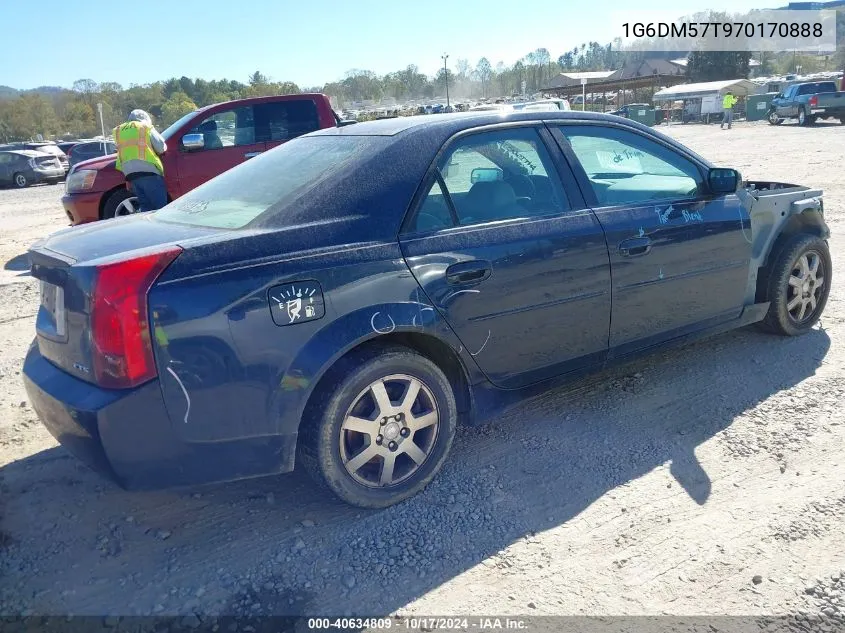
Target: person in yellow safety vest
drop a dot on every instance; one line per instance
(139, 146)
(728, 110)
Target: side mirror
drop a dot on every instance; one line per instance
(486, 174)
(723, 181)
(193, 141)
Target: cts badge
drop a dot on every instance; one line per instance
(296, 302)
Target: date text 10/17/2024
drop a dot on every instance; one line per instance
(475, 623)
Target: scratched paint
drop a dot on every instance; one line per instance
(483, 345)
(378, 330)
(184, 391)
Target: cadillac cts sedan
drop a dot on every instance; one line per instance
(343, 301)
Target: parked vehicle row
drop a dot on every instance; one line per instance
(340, 302)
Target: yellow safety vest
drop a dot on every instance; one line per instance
(728, 101)
(133, 143)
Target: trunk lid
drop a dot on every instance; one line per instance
(65, 264)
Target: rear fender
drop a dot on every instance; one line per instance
(366, 325)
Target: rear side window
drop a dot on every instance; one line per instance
(271, 184)
(493, 176)
(284, 120)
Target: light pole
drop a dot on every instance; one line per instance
(444, 57)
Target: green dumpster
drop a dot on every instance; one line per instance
(642, 115)
(757, 106)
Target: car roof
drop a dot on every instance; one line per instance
(452, 123)
(438, 128)
(30, 153)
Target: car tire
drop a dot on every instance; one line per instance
(803, 119)
(20, 181)
(773, 118)
(114, 202)
(806, 257)
(336, 438)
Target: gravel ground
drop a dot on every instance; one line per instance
(706, 480)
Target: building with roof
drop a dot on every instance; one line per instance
(739, 87)
(647, 73)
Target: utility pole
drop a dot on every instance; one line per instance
(444, 57)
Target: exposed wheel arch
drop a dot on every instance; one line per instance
(431, 347)
(809, 222)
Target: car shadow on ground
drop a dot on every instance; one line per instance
(81, 545)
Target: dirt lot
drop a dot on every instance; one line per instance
(708, 480)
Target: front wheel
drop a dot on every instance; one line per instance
(383, 429)
(773, 118)
(798, 285)
(120, 203)
(20, 181)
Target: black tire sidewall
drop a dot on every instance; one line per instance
(326, 445)
(114, 199)
(15, 181)
(778, 319)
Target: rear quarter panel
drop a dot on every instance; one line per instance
(228, 371)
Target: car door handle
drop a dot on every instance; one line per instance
(251, 154)
(635, 246)
(468, 272)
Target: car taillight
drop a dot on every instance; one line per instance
(814, 101)
(123, 350)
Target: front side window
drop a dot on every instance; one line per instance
(492, 176)
(626, 168)
(227, 128)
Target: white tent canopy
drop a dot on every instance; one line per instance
(740, 88)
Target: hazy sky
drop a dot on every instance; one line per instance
(54, 42)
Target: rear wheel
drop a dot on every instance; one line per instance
(120, 203)
(20, 180)
(804, 118)
(798, 286)
(383, 428)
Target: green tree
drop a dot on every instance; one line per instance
(485, 73)
(718, 65)
(178, 105)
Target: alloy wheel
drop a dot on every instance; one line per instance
(127, 207)
(389, 431)
(806, 285)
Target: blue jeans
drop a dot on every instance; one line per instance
(151, 192)
(728, 117)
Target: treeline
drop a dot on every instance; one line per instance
(60, 112)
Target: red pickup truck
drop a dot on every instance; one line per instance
(200, 146)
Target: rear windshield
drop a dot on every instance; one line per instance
(271, 183)
(815, 88)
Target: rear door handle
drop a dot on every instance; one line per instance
(251, 154)
(469, 272)
(635, 246)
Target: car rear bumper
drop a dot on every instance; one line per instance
(82, 207)
(128, 437)
(49, 174)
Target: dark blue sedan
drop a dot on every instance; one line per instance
(343, 301)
